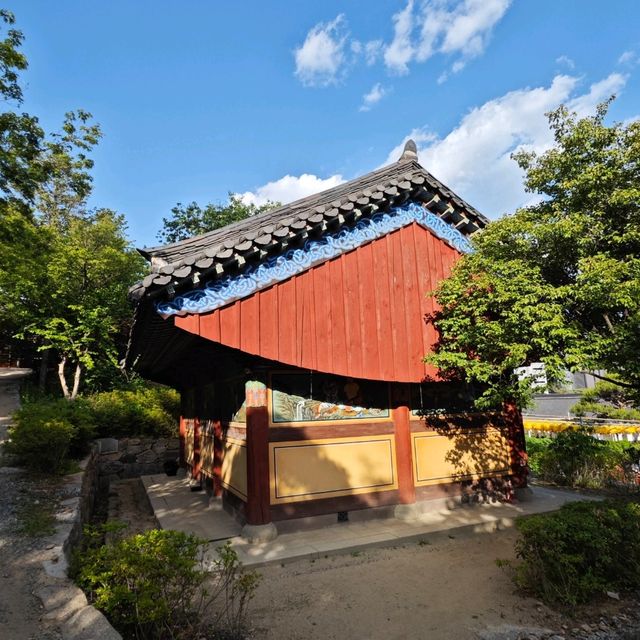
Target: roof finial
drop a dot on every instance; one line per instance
(410, 151)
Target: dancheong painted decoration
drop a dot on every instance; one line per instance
(297, 340)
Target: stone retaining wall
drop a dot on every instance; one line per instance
(132, 457)
(65, 605)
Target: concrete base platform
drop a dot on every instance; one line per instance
(177, 508)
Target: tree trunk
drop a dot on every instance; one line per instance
(61, 376)
(76, 381)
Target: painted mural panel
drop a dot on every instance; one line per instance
(315, 397)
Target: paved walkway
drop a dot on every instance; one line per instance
(176, 507)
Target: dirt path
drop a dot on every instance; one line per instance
(449, 590)
(446, 588)
(24, 502)
(129, 504)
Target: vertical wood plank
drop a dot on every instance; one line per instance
(412, 301)
(230, 325)
(396, 285)
(323, 334)
(339, 342)
(287, 321)
(190, 323)
(269, 322)
(250, 323)
(370, 340)
(309, 355)
(424, 286)
(210, 326)
(351, 305)
(383, 308)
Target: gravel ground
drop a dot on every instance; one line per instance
(23, 498)
(459, 592)
(445, 589)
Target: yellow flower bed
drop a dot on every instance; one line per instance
(557, 426)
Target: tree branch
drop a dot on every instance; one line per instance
(626, 385)
(76, 381)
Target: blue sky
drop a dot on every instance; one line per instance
(280, 99)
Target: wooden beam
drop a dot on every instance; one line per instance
(401, 415)
(258, 510)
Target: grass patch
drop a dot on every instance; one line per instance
(36, 519)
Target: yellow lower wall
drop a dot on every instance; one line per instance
(234, 467)
(315, 469)
(463, 454)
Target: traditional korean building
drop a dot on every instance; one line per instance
(297, 340)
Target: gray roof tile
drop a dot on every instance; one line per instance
(274, 230)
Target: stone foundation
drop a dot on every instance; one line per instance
(123, 458)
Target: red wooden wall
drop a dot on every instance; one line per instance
(359, 315)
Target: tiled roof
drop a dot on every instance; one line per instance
(224, 251)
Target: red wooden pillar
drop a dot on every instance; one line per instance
(519, 470)
(218, 436)
(197, 465)
(182, 434)
(402, 430)
(258, 511)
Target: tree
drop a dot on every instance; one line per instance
(21, 137)
(192, 220)
(64, 269)
(88, 270)
(69, 183)
(556, 282)
(607, 400)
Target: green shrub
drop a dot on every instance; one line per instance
(42, 445)
(152, 586)
(576, 459)
(75, 413)
(584, 549)
(150, 411)
(536, 448)
(46, 433)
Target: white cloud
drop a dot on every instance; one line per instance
(372, 97)
(567, 61)
(470, 26)
(290, 188)
(373, 50)
(598, 92)
(474, 159)
(400, 52)
(629, 58)
(462, 29)
(321, 56)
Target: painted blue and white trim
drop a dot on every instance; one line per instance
(218, 293)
